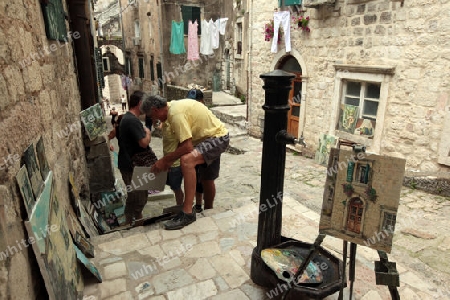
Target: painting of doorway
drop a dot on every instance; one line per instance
(291, 65)
(355, 214)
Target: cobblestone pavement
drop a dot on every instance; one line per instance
(210, 259)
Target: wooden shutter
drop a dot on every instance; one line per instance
(191, 13)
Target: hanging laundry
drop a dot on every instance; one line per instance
(215, 34)
(177, 38)
(222, 25)
(206, 38)
(192, 53)
(283, 17)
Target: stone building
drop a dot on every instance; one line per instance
(42, 70)
(389, 59)
(208, 71)
(142, 41)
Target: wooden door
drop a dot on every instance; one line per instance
(355, 212)
(295, 98)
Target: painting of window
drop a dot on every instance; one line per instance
(362, 174)
(359, 107)
(389, 221)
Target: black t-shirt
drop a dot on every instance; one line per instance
(131, 131)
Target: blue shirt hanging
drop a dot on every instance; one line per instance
(177, 38)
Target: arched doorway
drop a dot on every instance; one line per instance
(355, 214)
(291, 65)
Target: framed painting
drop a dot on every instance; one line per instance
(29, 159)
(43, 164)
(349, 117)
(93, 121)
(25, 189)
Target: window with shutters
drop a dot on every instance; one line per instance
(191, 13)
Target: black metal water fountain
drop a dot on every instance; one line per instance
(277, 85)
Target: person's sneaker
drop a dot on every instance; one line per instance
(198, 208)
(180, 220)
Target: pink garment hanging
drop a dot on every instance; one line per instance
(192, 53)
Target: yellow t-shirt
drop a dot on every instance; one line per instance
(170, 142)
(191, 119)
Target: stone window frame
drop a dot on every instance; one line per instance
(376, 74)
(239, 38)
(108, 64)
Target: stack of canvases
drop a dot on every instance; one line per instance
(48, 227)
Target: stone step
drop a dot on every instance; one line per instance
(232, 114)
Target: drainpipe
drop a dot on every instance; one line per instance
(249, 61)
(161, 45)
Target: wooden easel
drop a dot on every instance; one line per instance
(385, 271)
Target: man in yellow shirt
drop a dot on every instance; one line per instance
(202, 139)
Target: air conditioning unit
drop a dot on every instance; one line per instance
(137, 41)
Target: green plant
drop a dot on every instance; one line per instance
(348, 189)
(371, 194)
(242, 11)
(243, 98)
(269, 29)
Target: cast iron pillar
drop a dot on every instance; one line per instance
(277, 85)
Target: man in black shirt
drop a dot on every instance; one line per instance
(133, 138)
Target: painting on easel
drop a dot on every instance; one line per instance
(361, 198)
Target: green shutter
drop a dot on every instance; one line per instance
(191, 13)
(289, 2)
(350, 168)
(292, 2)
(54, 19)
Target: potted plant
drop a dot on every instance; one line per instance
(348, 189)
(371, 193)
(269, 32)
(302, 23)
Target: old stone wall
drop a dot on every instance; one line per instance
(40, 97)
(410, 37)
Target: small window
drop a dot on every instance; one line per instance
(106, 67)
(152, 68)
(137, 29)
(159, 74)
(128, 68)
(359, 108)
(191, 13)
(389, 221)
(141, 67)
(239, 38)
